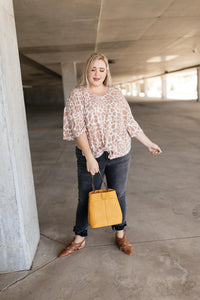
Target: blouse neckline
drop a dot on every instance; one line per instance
(100, 96)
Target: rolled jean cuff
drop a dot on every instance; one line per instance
(83, 233)
(119, 227)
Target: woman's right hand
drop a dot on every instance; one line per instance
(92, 165)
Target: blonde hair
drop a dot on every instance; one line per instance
(95, 56)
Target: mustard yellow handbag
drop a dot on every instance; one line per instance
(103, 207)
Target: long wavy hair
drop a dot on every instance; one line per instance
(95, 56)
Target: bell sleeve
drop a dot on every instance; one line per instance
(132, 126)
(73, 118)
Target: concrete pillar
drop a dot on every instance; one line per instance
(145, 88)
(198, 84)
(164, 87)
(19, 230)
(138, 88)
(128, 89)
(69, 78)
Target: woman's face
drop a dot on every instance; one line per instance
(97, 73)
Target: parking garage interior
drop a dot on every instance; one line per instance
(153, 49)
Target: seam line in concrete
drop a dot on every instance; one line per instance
(150, 241)
(54, 240)
(139, 242)
(48, 263)
(26, 276)
(165, 240)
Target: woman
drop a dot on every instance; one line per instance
(99, 118)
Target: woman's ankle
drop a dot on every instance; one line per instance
(78, 238)
(119, 234)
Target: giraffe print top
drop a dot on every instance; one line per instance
(107, 121)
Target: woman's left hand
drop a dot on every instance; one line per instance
(154, 149)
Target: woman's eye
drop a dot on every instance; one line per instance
(93, 70)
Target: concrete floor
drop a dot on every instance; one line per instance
(163, 215)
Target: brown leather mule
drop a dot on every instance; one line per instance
(71, 248)
(124, 245)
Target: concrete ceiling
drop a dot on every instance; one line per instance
(142, 37)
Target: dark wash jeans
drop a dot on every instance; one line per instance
(116, 172)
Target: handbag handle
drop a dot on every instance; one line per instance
(102, 181)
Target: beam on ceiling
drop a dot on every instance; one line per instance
(162, 74)
(98, 25)
(198, 84)
(28, 61)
